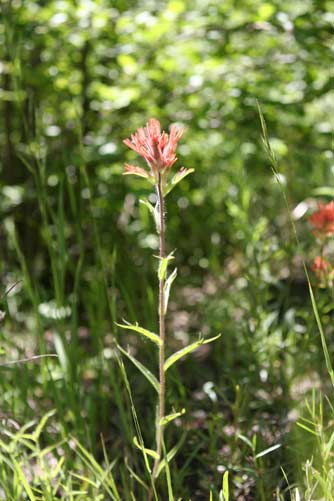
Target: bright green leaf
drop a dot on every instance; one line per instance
(177, 178)
(225, 486)
(140, 330)
(170, 455)
(163, 264)
(268, 451)
(187, 349)
(170, 417)
(246, 440)
(168, 285)
(151, 453)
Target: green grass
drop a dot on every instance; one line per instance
(251, 414)
(69, 420)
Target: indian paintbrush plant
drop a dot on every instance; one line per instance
(159, 150)
(322, 221)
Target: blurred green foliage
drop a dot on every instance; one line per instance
(76, 78)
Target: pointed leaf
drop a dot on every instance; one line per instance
(23, 479)
(168, 285)
(140, 330)
(225, 486)
(170, 455)
(149, 452)
(170, 417)
(138, 171)
(168, 475)
(163, 264)
(268, 451)
(187, 349)
(181, 174)
(301, 425)
(246, 440)
(42, 424)
(146, 372)
(148, 205)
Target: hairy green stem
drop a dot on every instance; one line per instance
(161, 330)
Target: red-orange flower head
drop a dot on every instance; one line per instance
(158, 149)
(323, 219)
(320, 265)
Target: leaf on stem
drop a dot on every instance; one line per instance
(187, 349)
(163, 264)
(154, 211)
(148, 205)
(149, 452)
(140, 330)
(168, 285)
(146, 372)
(170, 455)
(181, 174)
(170, 417)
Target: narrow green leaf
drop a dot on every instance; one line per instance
(150, 452)
(148, 205)
(146, 372)
(181, 174)
(225, 486)
(170, 455)
(168, 475)
(42, 424)
(268, 451)
(97, 470)
(154, 211)
(187, 349)
(18, 470)
(170, 417)
(135, 476)
(163, 264)
(85, 479)
(301, 425)
(246, 440)
(137, 425)
(61, 352)
(168, 285)
(140, 330)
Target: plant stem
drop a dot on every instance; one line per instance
(161, 330)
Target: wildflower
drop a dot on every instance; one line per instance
(158, 149)
(320, 265)
(323, 219)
